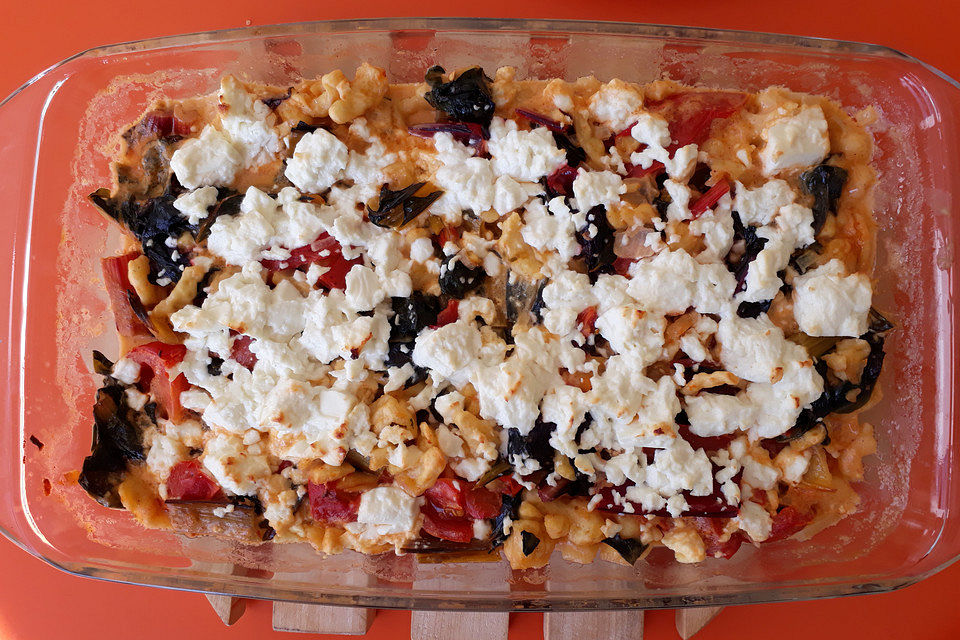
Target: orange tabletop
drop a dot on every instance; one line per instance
(38, 602)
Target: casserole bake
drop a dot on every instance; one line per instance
(899, 539)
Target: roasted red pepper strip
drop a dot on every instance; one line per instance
(324, 251)
(240, 351)
(710, 198)
(448, 315)
(446, 527)
(156, 359)
(331, 505)
(119, 289)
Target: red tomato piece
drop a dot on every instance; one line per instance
(119, 289)
(482, 503)
(448, 315)
(240, 351)
(324, 251)
(710, 198)
(787, 522)
(622, 266)
(587, 321)
(163, 124)
(187, 481)
(157, 358)
(690, 114)
(440, 525)
(446, 495)
(331, 505)
(711, 530)
(509, 486)
(561, 180)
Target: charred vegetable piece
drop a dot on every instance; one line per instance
(560, 182)
(117, 431)
(445, 526)
(401, 353)
(244, 523)
(816, 347)
(535, 444)
(877, 323)
(596, 241)
(522, 297)
(628, 548)
(825, 183)
(787, 522)
(457, 278)
(530, 542)
(411, 315)
(157, 359)
(276, 101)
(466, 98)
(482, 504)
(397, 208)
(102, 364)
(330, 505)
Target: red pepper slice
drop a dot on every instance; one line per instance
(440, 525)
(543, 120)
(481, 503)
(711, 530)
(187, 481)
(324, 251)
(156, 359)
(509, 486)
(448, 315)
(656, 168)
(561, 180)
(331, 505)
(690, 114)
(119, 290)
(787, 522)
(710, 198)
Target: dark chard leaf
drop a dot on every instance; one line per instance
(303, 127)
(869, 376)
(508, 510)
(535, 445)
(521, 297)
(411, 315)
(499, 469)
(397, 208)
(629, 549)
(465, 99)
(457, 278)
(753, 244)
(530, 542)
(228, 205)
(878, 323)
(825, 183)
(560, 182)
(543, 120)
(116, 443)
(753, 309)
(575, 154)
(138, 309)
(401, 353)
(276, 101)
(596, 240)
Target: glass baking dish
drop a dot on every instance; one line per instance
(54, 133)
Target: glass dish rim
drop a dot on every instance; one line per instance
(806, 591)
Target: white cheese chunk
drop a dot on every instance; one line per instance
(210, 159)
(795, 142)
(318, 161)
(526, 156)
(388, 510)
(759, 206)
(827, 302)
(194, 204)
(593, 188)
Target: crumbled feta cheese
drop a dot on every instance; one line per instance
(318, 161)
(550, 233)
(759, 206)
(233, 466)
(194, 204)
(523, 155)
(615, 105)
(827, 302)
(248, 122)
(564, 297)
(794, 142)
(449, 351)
(388, 510)
(363, 291)
(593, 188)
(755, 521)
(126, 371)
(421, 250)
(210, 159)
(450, 443)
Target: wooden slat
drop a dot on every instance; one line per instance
(228, 608)
(316, 618)
(458, 625)
(690, 621)
(593, 625)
